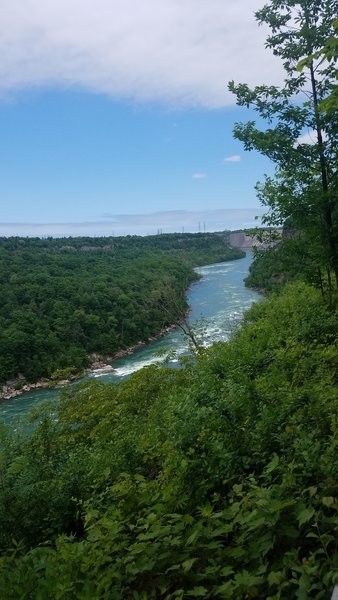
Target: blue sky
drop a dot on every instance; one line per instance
(101, 125)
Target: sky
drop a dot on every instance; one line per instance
(115, 115)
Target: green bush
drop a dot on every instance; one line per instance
(216, 480)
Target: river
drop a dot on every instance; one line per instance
(217, 303)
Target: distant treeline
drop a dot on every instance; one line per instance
(63, 299)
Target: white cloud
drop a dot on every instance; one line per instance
(310, 137)
(178, 52)
(234, 158)
(199, 176)
(145, 224)
(307, 138)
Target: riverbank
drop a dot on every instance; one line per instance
(99, 365)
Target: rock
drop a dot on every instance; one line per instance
(103, 369)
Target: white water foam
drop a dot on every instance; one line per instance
(130, 368)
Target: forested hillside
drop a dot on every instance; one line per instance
(289, 260)
(62, 299)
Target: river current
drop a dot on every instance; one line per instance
(217, 301)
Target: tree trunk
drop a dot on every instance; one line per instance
(326, 204)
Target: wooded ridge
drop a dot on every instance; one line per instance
(63, 299)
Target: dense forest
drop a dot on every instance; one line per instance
(63, 299)
(217, 479)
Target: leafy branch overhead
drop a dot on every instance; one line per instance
(329, 52)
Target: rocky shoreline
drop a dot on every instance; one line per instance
(99, 365)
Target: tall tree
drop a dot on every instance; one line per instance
(330, 52)
(305, 187)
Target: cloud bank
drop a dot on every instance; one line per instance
(178, 52)
(146, 224)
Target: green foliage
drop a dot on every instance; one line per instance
(59, 374)
(292, 259)
(215, 480)
(62, 299)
